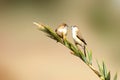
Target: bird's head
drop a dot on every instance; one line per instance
(75, 28)
(63, 25)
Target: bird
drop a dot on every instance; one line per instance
(78, 39)
(61, 31)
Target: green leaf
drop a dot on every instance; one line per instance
(83, 58)
(104, 70)
(108, 76)
(90, 57)
(115, 77)
(66, 44)
(100, 68)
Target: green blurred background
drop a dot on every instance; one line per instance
(27, 54)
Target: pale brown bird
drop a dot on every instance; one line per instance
(62, 30)
(78, 39)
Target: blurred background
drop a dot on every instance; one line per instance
(27, 54)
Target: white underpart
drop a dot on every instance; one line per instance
(75, 38)
(63, 30)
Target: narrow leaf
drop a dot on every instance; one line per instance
(100, 68)
(104, 70)
(108, 76)
(90, 57)
(115, 77)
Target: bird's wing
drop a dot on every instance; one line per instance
(81, 38)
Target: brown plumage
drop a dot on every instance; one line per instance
(62, 30)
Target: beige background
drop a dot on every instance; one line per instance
(27, 54)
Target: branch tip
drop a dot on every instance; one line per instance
(39, 25)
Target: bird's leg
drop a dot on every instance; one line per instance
(64, 37)
(84, 49)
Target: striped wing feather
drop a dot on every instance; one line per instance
(81, 38)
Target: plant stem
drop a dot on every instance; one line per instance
(102, 73)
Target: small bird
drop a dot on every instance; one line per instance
(78, 39)
(62, 30)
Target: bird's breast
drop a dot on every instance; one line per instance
(62, 31)
(77, 40)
